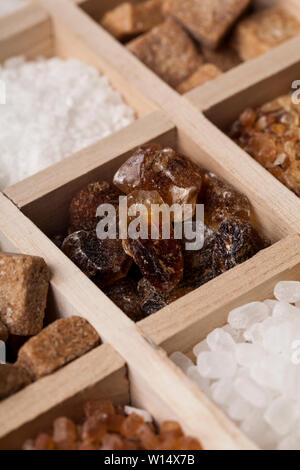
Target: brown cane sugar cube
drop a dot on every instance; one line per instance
(3, 332)
(264, 30)
(168, 51)
(93, 430)
(224, 57)
(12, 379)
(128, 19)
(113, 442)
(207, 20)
(24, 282)
(131, 425)
(59, 343)
(203, 74)
(171, 428)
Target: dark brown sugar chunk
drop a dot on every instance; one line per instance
(207, 20)
(222, 201)
(160, 261)
(85, 203)
(59, 343)
(203, 74)
(3, 332)
(103, 260)
(24, 282)
(153, 168)
(12, 379)
(168, 51)
(260, 32)
(128, 19)
(270, 134)
(124, 294)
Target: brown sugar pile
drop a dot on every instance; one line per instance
(190, 42)
(271, 135)
(109, 427)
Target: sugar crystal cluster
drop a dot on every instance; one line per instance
(73, 107)
(190, 42)
(271, 135)
(144, 272)
(109, 427)
(251, 368)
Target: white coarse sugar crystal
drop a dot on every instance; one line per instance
(254, 333)
(284, 309)
(251, 392)
(219, 340)
(259, 431)
(53, 109)
(245, 316)
(143, 413)
(279, 339)
(10, 6)
(281, 415)
(237, 335)
(222, 391)
(249, 354)
(239, 409)
(287, 291)
(200, 347)
(290, 442)
(216, 365)
(182, 361)
(270, 303)
(291, 383)
(270, 372)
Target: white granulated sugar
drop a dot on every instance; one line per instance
(9, 6)
(251, 368)
(53, 109)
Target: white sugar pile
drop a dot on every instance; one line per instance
(9, 6)
(53, 109)
(251, 368)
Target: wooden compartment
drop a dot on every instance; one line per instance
(96, 9)
(36, 208)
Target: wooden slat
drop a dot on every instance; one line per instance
(100, 373)
(26, 32)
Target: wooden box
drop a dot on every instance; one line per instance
(133, 363)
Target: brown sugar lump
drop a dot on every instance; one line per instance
(207, 20)
(168, 51)
(61, 342)
(264, 30)
(24, 282)
(128, 19)
(270, 134)
(203, 74)
(12, 379)
(3, 332)
(224, 57)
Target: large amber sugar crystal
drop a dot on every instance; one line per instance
(221, 201)
(152, 167)
(124, 294)
(160, 261)
(103, 260)
(270, 134)
(84, 205)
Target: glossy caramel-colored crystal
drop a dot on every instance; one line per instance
(153, 168)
